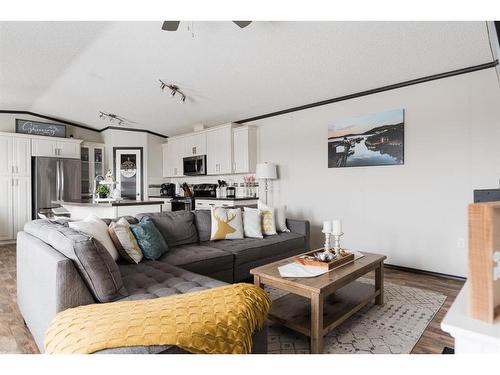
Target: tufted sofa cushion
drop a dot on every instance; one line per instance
(204, 260)
(153, 279)
(93, 261)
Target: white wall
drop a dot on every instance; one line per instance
(8, 124)
(414, 213)
(152, 153)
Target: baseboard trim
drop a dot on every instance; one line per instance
(424, 272)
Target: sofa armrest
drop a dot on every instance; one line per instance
(300, 227)
(47, 282)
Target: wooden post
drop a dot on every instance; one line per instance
(484, 241)
(379, 284)
(317, 300)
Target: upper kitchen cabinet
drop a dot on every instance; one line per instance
(15, 155)
(173, 153)
(245, 149)
(220, 150)
(68, 148)
(195, 144)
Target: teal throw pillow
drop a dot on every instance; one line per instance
(149, 238)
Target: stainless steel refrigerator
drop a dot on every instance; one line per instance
(54, 179)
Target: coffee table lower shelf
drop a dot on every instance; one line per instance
(294, 311)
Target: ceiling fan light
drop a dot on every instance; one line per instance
(170, 25)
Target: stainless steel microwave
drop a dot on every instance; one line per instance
(195, 165)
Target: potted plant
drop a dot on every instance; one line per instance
(102, 191)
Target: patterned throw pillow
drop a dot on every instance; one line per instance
(149, 238)
(124, 240)
(268, 222)
(227, 224)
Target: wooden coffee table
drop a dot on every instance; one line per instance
(314, 306)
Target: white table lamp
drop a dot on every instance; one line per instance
(266, 172)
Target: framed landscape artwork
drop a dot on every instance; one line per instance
(375, 139)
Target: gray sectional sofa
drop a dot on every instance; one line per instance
(59, 268)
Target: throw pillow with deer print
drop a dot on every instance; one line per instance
(227, 224)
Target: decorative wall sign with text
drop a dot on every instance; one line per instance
(40, 128)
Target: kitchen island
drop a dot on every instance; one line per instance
(80, 209)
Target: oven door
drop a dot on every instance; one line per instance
(195, 165)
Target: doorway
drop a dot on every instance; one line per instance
(128, 167)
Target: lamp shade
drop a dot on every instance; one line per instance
(266, 171)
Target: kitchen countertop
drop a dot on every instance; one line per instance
(227, 199)
(89, 203)
(210, 198)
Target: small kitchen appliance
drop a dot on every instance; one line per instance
(167, 190)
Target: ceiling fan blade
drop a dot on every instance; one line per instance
(242, 24)
(170, 25)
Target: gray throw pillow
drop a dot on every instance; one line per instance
(203, 221)
(177, 227)
(93, 261)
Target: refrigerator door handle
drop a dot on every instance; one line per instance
(62, 179)
(58, 180)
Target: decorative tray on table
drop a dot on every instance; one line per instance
(311, 259)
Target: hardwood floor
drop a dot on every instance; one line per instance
(16, 338)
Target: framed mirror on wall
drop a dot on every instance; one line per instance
(128, 170)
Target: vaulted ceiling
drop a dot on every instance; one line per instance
(73, 70)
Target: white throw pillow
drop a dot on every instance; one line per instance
(268, 222)
(227, 224)
(280, 213)
(252, 222)
(95, 227)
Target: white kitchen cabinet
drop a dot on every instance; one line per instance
(195, 144)
(92, 159)
(244, 149)
(6, 205)
(21, 199)
(43, 147)
(68, 149)
(21, 156)
(56, 148)
(207, 203)
(220, 150)
(5, 155)
(173, 153)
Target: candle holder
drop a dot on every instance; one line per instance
(327, 254)
(336, 243)
(327, 240)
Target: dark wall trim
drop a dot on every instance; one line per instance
(50, 118)
(424, 272)
(133, 130)
(374, 91)
(142, 163)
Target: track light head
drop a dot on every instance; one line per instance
(183, 98)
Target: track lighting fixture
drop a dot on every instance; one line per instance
(112, 118)
(173, 90)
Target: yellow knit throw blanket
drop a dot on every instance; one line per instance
(220, 320)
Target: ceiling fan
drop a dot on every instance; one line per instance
(174, 25)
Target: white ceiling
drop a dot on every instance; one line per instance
(73, 70)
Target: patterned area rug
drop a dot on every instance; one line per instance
(393, 328)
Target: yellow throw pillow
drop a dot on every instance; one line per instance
(227, 224)
(268, 221)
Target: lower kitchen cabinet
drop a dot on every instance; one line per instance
(206, 204)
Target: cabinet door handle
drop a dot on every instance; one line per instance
(17, 169)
